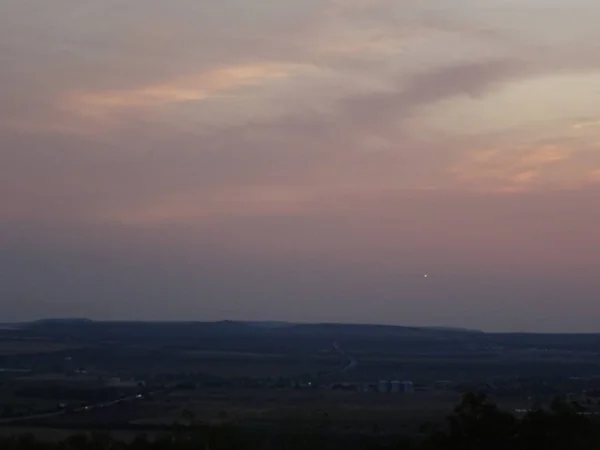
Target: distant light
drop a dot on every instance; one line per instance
(426, 276)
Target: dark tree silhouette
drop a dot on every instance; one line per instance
(478, 424)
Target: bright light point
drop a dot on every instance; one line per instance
(426, 276)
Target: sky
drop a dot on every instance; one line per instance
(302, 160)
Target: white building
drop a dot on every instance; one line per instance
(408, 387)
(382, 386)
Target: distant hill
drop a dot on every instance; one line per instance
(456, 329)
(270, 324)
(273, 329)
(62, 321)
(368, 330)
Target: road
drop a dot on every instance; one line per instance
(80, 410)
(352, 363)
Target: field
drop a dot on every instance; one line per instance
(23, 347)
(339, 411)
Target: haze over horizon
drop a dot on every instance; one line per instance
(302, 161)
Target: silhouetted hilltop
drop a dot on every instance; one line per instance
(367, 330)
(61, 321)
(96, 329)
(283, 337)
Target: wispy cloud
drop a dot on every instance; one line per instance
(510, 170)
(178, 91)
(586, 124)
(595, 175)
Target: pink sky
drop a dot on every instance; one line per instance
(300, 160)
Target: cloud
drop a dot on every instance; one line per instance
(510, 170)
(188, 89)
(428, 87)
(595, 175)
(586, 124)
(377, 114)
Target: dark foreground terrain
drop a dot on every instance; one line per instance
(475, 424)
(276, 380)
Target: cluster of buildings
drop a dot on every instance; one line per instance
(395, 386)
(382, 386)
